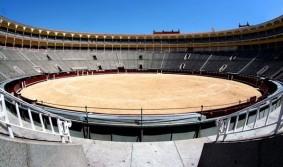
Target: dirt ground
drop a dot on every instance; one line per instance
(155, 93)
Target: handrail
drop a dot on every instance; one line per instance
(229, 124)
(92, 116)
(82, 109)
(224, 123)
(260, 103)
(63, 124)
(137, 109)
(33, 107)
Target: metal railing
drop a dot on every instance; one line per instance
(33, 112)
(238, 122)
(98, 115)
(255, 117)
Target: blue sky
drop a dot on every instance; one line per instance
(140, 16)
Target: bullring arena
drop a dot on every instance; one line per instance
(164, 99)
(154, 93)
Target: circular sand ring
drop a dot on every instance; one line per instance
(128, 93)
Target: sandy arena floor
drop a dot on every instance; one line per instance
(147, 91)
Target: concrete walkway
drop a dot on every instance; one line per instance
(124, 154)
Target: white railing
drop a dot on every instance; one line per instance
(256, 117)
(6, 118)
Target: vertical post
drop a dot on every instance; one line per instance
(51, 124)
(19, 115)
(220, 124)
(161, 66)
(41, 121)
(38, 40)
(228, 125)
(279, 117)
(61, 130)
(200, 120)
(80, 42)
(141, 124)
(23, 37)
(88, 130)
(64, 42)
(30, 42)
(30, 118)
(47, 43)
(67, 126)
(268, 112)
(246, 120)
(4, 114)
(236, 123)
(256, 115)
(6, 35)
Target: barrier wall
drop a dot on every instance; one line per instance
(24, 153)
(266, 152)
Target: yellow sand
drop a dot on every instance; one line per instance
(147, 91)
